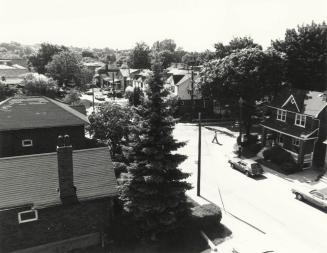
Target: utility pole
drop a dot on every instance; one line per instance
(199, 159)
(192, 85)
(240, 101)
(93, 96)
(113, 84)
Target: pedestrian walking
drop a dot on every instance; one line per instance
(215, 139)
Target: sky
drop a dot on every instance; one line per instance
(195, 25)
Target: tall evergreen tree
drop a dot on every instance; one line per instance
(153, 189)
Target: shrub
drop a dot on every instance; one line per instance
(254, 148)
(205, 215)
(289, 167)
(278, 155)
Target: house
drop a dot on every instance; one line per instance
(56, 191)
(31, 125)
(93, 65)
(298, 123)
(58, 201)
(12, 73)
(181, 82)
(139, 77)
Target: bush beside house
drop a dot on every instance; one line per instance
(281, 157)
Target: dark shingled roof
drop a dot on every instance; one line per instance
(37, 112)
(33, 179)
(308, 102)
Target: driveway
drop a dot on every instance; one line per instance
(266, 203)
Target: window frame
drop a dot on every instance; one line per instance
(294, 142)
(300, 117)
(27, 145)
(281, 115)
(20, 220)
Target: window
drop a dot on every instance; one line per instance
(317, 194)
(281, 115)
(27, 216)
(280, 140)
(300, 120)
(27, 143)
(296, 142)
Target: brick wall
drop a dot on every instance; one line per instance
(54, 224)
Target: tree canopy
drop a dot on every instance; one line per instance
(110, 124)
(306, 51)
(139, 57)
(235, 44)
(37, 84)
(248, 73)
(44, 56)
(66, 67)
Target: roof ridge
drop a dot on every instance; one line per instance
(67, 108)
(50, 153)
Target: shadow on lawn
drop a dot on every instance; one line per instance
(186, 239)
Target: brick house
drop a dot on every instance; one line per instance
(31, 125)
(56, 194)
(56, 202)
(298, 122)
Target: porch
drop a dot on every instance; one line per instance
(301, 149)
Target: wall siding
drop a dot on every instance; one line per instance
(44, 140)
(54, 224)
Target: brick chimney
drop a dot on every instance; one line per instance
(67, 189)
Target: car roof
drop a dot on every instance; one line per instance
(249, 161)
(323, 191)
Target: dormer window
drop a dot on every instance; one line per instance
(300, 120)
(27, 143)
(281, 115)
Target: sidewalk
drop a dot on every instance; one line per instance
(244, 238)
(307, 176)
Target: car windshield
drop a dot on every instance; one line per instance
(256, 166)
(323, 191)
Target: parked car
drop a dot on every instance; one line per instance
(314, 196)
(247, 166)
(89, 92)
(100, 97)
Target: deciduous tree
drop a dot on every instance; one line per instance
(66, 67)
(110, 124)
(248, 73)
(235, 44)
(140, 56)
(44, 56)
(306, 51)
(37, 84)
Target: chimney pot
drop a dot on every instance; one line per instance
(67, 189)
(66, 140)
(60, 141)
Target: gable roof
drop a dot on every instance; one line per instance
(306, 102)
(37, 112)
(33, 179)
(291, 100)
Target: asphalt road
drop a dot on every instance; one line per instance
(266, 203)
